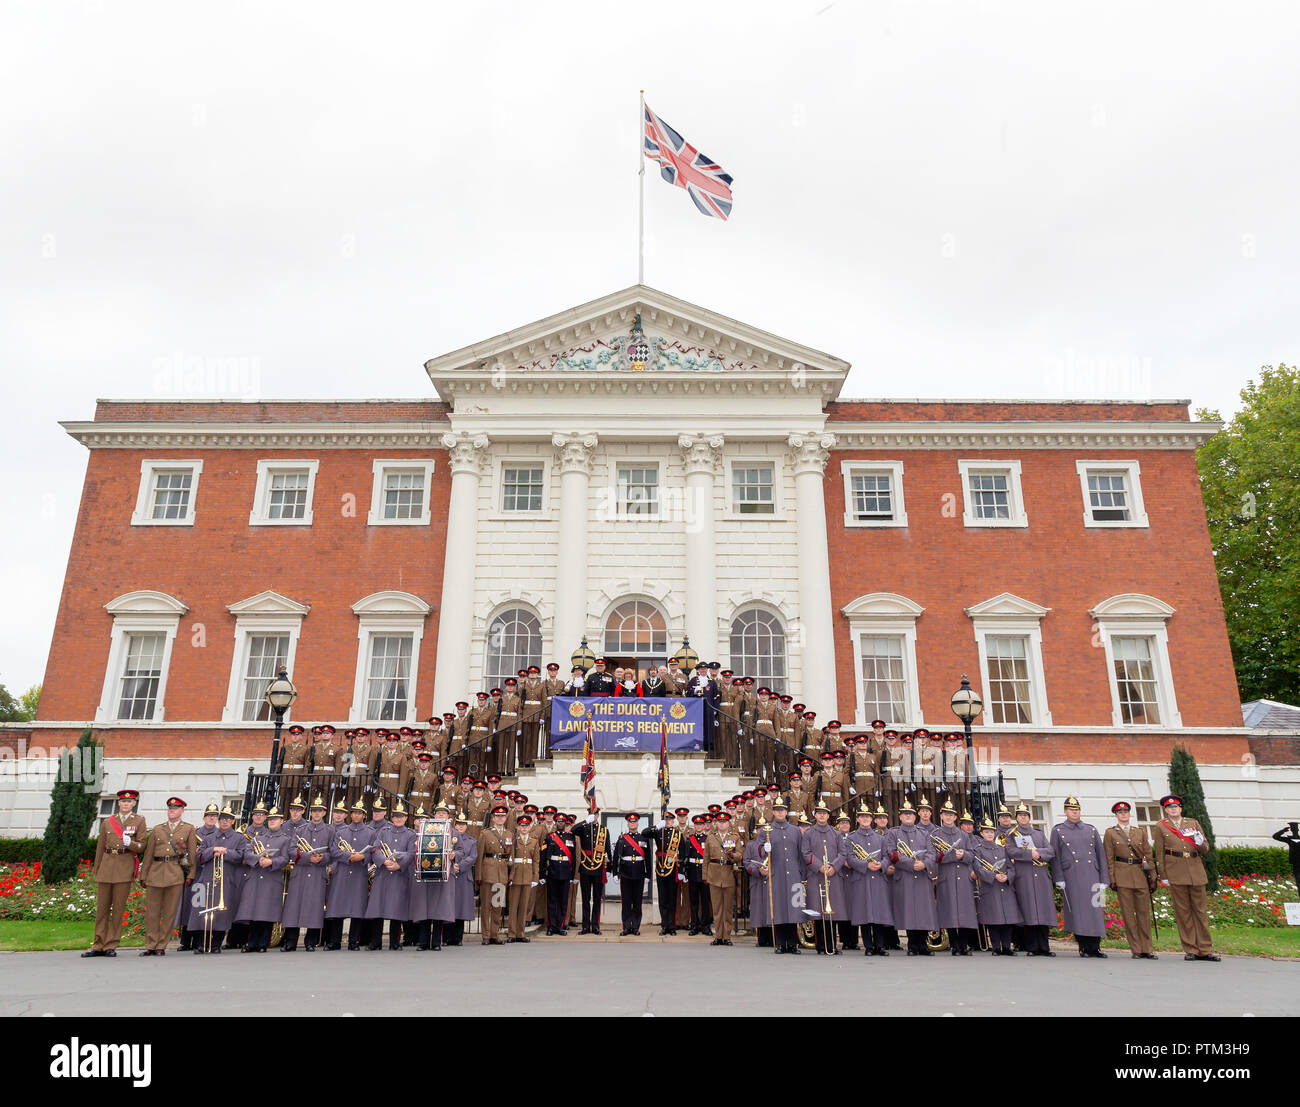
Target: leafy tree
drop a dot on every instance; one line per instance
(22, 710)
(1185, 781)
(1250, 479)
(31, 700)
(74, 803)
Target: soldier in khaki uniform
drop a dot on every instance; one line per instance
(830, 782)
(121, 842)
(359, 763)
(799, 798)
(813, 739)
(435, 738)
(723, 850)
(391, 763)
(532, 692)
(495, 849)
(293, 760)
(458, 727)
(1132, 877)
(864, 771)
(447, 791)
(786, 721)
(483, 721)
(165, 869)
(326, 754)
(552, 686)
(1178, 846)
(424, 783)
(524, 860)
(510, 737)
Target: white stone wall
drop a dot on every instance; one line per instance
(756, 563)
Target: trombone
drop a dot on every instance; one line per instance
(219, 885)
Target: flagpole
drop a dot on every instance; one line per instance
(640, 219)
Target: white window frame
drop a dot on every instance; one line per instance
(655, 463)
(259, 516)
(886, 613)
(266, 613)
(498, 511)
(149, 467)
(383, 613)
(1133, 615)
(778, 486)
(382, 465)
(143, 612)
(1132, 471)
(1016, 506)
(1006, 614)
(851, 467)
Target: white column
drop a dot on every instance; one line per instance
(816, 624)
(456, 616)
(571, 567)
(701, 454)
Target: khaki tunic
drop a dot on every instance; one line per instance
(1180, 864)
(1126, 853)
(114, 869)
(164, 877)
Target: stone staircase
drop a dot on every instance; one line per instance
(629, 782)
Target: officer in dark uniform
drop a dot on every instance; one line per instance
(631, 866)
(593, 857)
(598, 682)
(691, 862)
(668, 839)
(559, 859)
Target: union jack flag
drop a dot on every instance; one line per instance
(681, 164)
(587, 774)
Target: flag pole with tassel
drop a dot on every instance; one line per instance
(640, 218)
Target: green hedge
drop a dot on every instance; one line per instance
(13, 850)
(1244, 860)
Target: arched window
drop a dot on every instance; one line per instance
(514, 642)
(758, 647)
(636, 627)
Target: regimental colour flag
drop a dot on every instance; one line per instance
(587, 774)
(665, 791)
(683, 165)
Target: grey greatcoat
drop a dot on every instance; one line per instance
(187, 909)
(997, 906)
(1033, 882)
(824, 845)
(787, 889)
(1081, 862)
(263, 893)
(349, 886)
(465, 878)
(954, 890)
(304, 905)
(913, 891)
(231, 877)
(391, 889)
(871, 900)
(436, 900)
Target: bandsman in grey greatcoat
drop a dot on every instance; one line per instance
(998, 910)
(392, 853)
(454, 935)
(228, 844)
(1081, 874)
(1029, 855)
(186, 909)
(913, 862)
(350, 885)
(955, 889)
(304, 901)
(268, 851)
(822, 854)
(871, 907)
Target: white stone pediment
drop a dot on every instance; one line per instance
(1007, 605)
(145, 602)
(876, 604)
(593, 339)
(391, 603)
(268, 603)
(1132, 605)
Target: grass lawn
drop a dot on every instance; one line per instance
(42, 935)
(1239, 941)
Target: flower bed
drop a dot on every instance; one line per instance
(24, 897)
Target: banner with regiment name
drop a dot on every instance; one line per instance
(627, 724)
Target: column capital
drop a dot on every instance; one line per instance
(811, 451)
(701, 452)
(467, 451)
(575, 451)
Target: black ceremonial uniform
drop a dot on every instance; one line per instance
(559, 856)
(593, 842)
(691, 862)
(631, 864)
(669, 841)
(598, 684)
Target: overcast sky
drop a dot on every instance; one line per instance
(963, 199)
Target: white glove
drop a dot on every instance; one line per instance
(767, 847)
(659, 825)
(1198, 837)
(533, 884)
(1060, 883)
(590, 819)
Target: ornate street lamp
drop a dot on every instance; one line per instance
(686, 657)
(583, 656)
(280, 694)
(966, 705)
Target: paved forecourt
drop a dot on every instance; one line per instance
(638, 978)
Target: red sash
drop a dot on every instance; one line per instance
(698, 848)
(563, 848)
(633, 843)
(1189, 841)
(116, 828)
